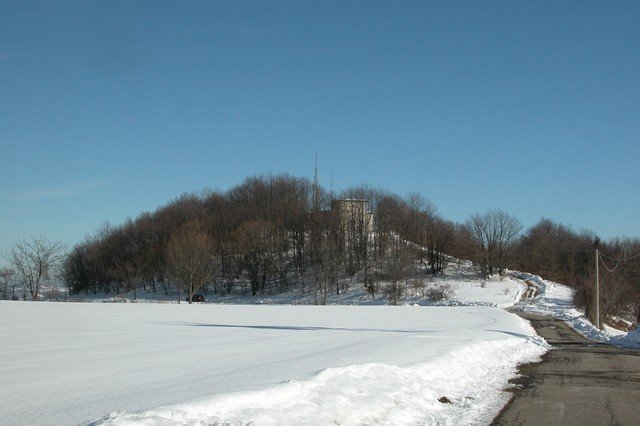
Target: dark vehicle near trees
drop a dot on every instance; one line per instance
(196, 298)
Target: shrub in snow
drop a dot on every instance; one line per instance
(439, 293)
(581, 297)
(115, 300)
(417, 285)
(394, 292)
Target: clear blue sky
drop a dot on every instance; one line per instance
(109, 109)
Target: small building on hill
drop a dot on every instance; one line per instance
(353, 215)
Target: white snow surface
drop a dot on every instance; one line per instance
(466, 283)
(266, 360)
(71, 363)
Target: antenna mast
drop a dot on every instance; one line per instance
(315, 185)
(331, 187)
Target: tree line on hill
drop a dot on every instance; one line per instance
(270, 233)
(277, 233)
(558, 253)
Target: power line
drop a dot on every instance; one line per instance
(600, 258)
(604, 255)
(620, 259)
(605, 265)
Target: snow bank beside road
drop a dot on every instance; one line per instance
(470, 378)
(555, 300)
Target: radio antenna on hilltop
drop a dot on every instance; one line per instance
(315, 172)
(331, 186)
(315, 185)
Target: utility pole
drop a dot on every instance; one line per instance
(597, 291)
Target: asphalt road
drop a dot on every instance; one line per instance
(580, 382)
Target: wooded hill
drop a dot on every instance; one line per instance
(273, 233)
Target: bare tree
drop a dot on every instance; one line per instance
(256, 243)
(421, 213)
(616, 294)
(479, 229)
(326, 271)
(493, 234)
(190, 257)
(125, 261)
(507, 229)
(34, 262)
(369, 276)
(439, 233)
(396, 268)
(6, 280)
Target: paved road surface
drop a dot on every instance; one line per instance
(581, 382)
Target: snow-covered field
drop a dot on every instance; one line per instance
(70, 363)
(277, 360)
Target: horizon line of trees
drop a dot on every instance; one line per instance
(275, 233)
(267, 234)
